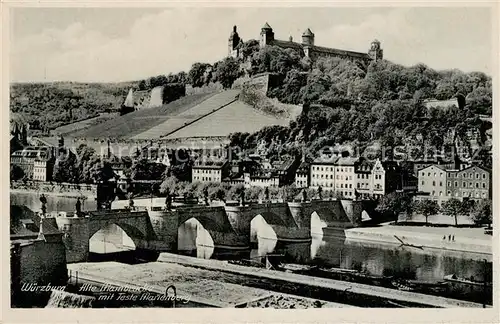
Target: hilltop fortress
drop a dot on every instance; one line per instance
(307, 46)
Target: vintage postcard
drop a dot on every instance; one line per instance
(245, 156)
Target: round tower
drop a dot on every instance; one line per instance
(376, 53)
(266, 35)
(308, 37)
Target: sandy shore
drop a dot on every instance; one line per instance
(471, 240)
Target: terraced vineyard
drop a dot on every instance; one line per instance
(127, 126)
(68, 130)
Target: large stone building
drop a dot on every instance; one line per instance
(307, 47)
(37, 163)
(378, 178)
(440, 184)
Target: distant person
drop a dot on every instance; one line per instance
(444, 238)
(449, 237)
(453, 237)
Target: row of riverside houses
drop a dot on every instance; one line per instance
(353, 177)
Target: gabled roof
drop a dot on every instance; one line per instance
(475, 166)
(433, 165)
(266, 26)
(308, 32)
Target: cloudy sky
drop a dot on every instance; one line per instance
(109, 44)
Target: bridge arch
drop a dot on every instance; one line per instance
(115, 237)
(193, 235)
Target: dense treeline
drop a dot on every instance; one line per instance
(49, 105)
(345, 103)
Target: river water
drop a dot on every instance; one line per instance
(325, 250)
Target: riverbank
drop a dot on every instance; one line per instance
(471, 240)
(198, 287)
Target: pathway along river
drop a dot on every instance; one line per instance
(328, 251)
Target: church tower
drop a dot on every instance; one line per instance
(376, 53)
(233, 42)
(266, 35)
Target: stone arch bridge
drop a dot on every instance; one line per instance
(156, 229)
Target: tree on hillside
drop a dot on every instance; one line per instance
(426, 207)
(227, 71)
(197, 74)
(482, 212)
(249, 48)
(452, 207)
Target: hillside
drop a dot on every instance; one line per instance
(50, 105)
(127, 126)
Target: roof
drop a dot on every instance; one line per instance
(282, 165)
(338, 52)
(266, 26)
(325, 160)
(209, 165)
(287, 44)
(434, 165)
(346, 161)
(22, 215)
(441, 103)
(475, 166)
(308, 32)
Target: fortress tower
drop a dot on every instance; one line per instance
(233, 42)
(266, 35)
(376, 53)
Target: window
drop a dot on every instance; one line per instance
(423, 182)
(440, 183)
(350, 185)
(440, 193)
(449, 193)
(477, 184)
(449, 183)
(484, 194)
(433, 193)
(433, 183)
(341, 185)
(464, 184)
(484, 185)
(456, 183)
(477, 175)
(484, 176)
(331, 176)
(471, 184)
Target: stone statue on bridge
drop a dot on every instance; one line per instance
(168, 201)
(304, 195)
(320, 193)
(266, 193)
(242, 196)
(356, 194)
(205, 196)
(131, 203)
(43, 200)
(78, 207)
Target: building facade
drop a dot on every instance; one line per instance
(215, 172)
(440, 184)
(37, 163)
(473, 182)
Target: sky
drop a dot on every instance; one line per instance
(111, 44)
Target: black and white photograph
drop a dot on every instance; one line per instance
(251, 157)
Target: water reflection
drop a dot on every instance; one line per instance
(54, 203)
